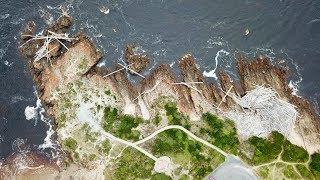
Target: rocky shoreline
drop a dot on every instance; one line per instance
(193, 95)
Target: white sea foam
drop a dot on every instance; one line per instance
(104, 10)
(4, 16)
(171, 64)
(212, 73)
(30, 112)
(294, 86)
(47, 140)
(7, 63)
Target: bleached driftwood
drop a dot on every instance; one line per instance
(188, 85)
(264, 112)
(116, 71)
(127, 68)
(149, 90)
(44, 50)
(224, 97)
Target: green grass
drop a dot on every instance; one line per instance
(294, 153)
(290, 173)
(160, 176)
(133, 165)
(187, 152)
(304, 171)
(266, 150)
(120, 125)
(223, 133)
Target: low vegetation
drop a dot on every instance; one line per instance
(160, 176)
(132, 165)
(156, 120)
(221, 133)
(294, 153)
(105, 147)
(315, 164)
(89, 135)
(266, 150)
(71, 144)
(188, 153)
(175, 117)
(119, 125)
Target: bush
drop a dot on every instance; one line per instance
(175, 117)
(120, 125)
(172, 113)
(294, 153)
(315, 164)
(156, 121)
(71, 144)
(223, 133)
(266, 150)
(109, 116)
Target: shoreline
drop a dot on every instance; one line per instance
(193, 102)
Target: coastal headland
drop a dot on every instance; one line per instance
(166, 126)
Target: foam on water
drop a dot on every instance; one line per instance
(30, 112)
(47, 140)
(294, 86)
(33, 113)
(212, 73)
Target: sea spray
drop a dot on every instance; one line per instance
(47, 140)
(32, 112)
(212, 73)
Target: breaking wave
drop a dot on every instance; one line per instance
(212, 73)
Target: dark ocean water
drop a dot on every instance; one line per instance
(213, 30)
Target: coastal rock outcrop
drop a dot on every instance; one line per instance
(71, 85)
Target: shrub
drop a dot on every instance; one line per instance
(222, 132)
(172, 113)
(71, 144)
(294, 153)
(266, 150)
(315, 164)
(120, 125)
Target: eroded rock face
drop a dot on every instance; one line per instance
(136, 60)
(67, 85)
(262, 72)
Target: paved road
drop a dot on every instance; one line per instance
(232, 169)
